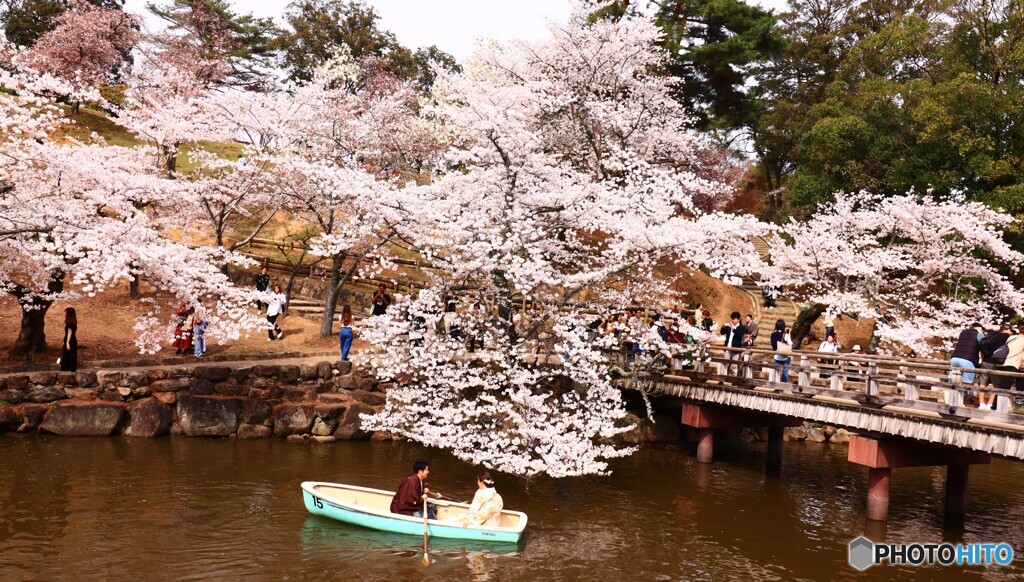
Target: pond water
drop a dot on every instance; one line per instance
(193, 509)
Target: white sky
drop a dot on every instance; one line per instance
(453, 25)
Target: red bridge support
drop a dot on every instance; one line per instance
(881, 456)
(707, 418)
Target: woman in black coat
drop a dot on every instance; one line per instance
(69, 348)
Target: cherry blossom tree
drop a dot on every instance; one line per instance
(571, 169)
(237, 198)
(87, 43)
(924, 268)
(88, 215)
(340, 144)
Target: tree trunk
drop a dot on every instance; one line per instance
(32, 336)
(220, 245)
(134, 284)
(331, 300)
(171, 158)
(76, 107)
(505, 311)
(804, 321)
(291, 276)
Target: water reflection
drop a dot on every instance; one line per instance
(193, 509)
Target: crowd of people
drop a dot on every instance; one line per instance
(189, 332)
(1000, 349)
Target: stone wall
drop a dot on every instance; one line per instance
(813, 432)
(319, 401)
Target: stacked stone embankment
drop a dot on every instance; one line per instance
(314, 400)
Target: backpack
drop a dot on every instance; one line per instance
(999, 355)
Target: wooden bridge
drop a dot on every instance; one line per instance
(904, 412)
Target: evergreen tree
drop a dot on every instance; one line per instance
(319, 28)
(716, 48)
(24, 21)
(212, 31)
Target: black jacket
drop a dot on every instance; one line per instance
(262, 282)
(991, 343)
(967, 346)
(737, 336)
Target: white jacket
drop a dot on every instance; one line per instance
(275, 305)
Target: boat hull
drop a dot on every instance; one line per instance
(324, 505)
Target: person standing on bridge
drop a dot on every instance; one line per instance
(707, 324)
(989, 346)
(829, 346)
(966, 353)
(781, 337)
(1012, 363)
(751, 326)
(734, 333)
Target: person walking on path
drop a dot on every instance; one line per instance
(69, 348)
(345, 334)
(829, 319)
(275, 307)
(381, 301)
(183, 330)
(781, 337)
(199, 335)
(768, 294)
(262, 284)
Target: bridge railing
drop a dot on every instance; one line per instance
(928, 386)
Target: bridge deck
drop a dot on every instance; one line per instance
(916, 399)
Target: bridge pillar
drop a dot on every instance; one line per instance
(707, 418)
(881, 456)
(956, 489)
(705, 445)
(775, 434)
(878, 493)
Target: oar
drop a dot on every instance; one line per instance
(426, 558)
(446, 498)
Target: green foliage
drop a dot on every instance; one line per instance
(24, 21)
(319, 28)
(717, 46)
(242, 40)
(890, 96)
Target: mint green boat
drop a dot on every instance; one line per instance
(372, 508)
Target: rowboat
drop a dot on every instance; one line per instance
(372, 508)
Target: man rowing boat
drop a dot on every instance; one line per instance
(408, 500)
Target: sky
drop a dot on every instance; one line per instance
(453, 25)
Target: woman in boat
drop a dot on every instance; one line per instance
(486, 506)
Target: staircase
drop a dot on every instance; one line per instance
(785, 309)
(313, 309)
